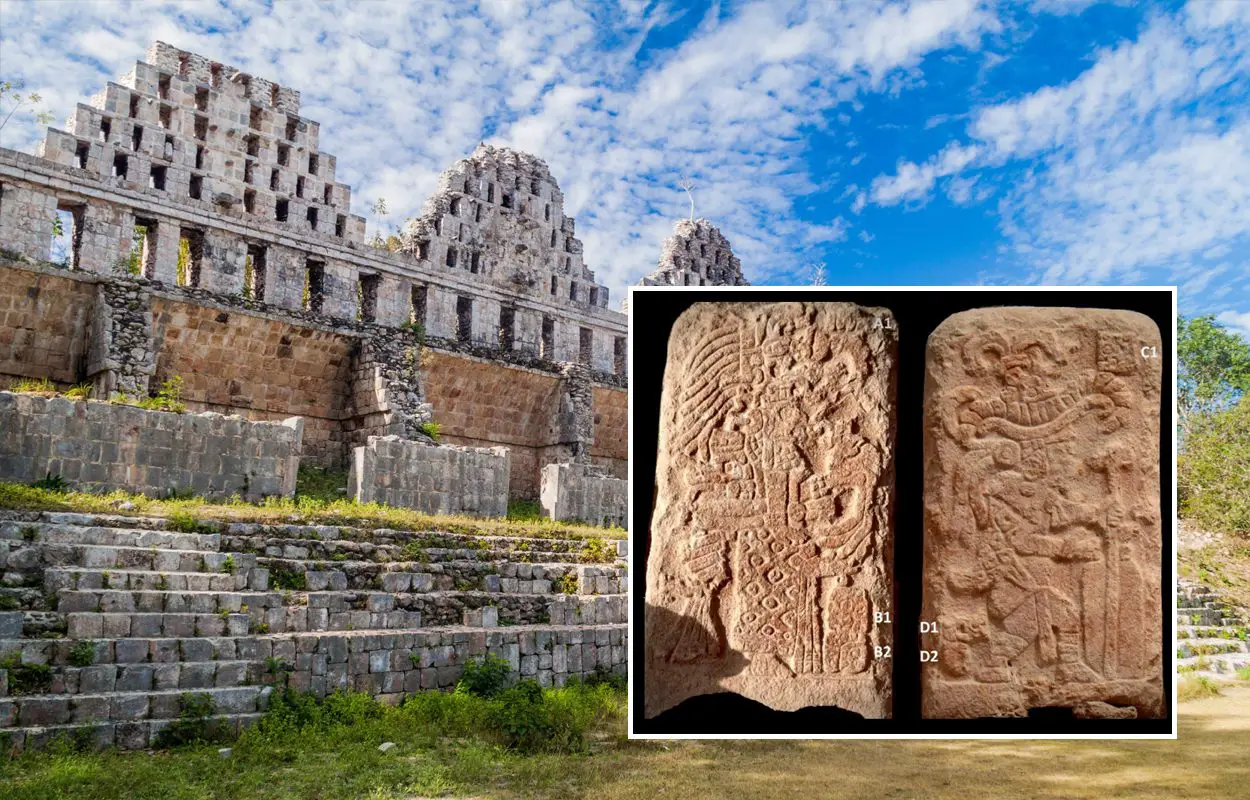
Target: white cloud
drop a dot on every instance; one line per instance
(402, 90)
(1137, 169)
(1237, 321)
(915, 181)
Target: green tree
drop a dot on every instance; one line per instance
(12, 98)
(1213, 366)
(1213, 471)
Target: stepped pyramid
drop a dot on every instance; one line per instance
(231, 610)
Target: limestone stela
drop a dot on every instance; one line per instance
(771, 540)
(1042, 528)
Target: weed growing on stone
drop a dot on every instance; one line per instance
(26, 678)
(566, 583)
(1243, 674)
(186, 522)
(301, 509)
(525, 511)
(33, 386)
(431, 429)
(484, 677)
(79, 392)
(82, 654)
(1196, 687)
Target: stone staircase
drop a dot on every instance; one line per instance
(1211, 639)
(109, 625)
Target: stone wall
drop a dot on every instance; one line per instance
(258, 366)
(206, 236)
(435, 479)
(100, 446)
(583, 492)
(43, 326)
(610, 447)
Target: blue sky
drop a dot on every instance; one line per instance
(949, 141)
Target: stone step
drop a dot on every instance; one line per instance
(41, 710)
(137, 735)
(1204, 616)
(1225, 633)
(1195, 647)
(57, 578)
(107, 557)
(303, 550)
(53, 533)
(133, 674)
(426, 539)
(1225, 664)
(423, 576)
(286, 646)
(322, 533)
(94, 625)
(164, 602)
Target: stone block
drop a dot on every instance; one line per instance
(789, 555)
(1043, 535)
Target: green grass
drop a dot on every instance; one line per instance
(440, 753)
(1196, 687)
(525, 511)
(302, 509)
(446, 743)
(34, 386)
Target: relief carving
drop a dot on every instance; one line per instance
(1042, 530)
(771, 540)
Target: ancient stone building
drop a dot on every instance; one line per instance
(697, 254)
(210, 239)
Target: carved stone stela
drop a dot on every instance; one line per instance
(1042, 530)
(771, 543)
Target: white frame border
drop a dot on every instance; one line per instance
(632, 577)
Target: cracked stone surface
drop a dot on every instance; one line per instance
(1042, 524)
(771, 544)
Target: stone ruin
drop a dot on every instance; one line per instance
(208, 239)
(696, 254)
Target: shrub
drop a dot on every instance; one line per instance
(1213, 471)
(194, 724)
(82, 654)
(525, 510)
(26, 678)
(288, 578)
(597, 549)
(484, 677)
(51, 483)
(185, 522)
(566, 583)
(1196, 687)
(431, 429)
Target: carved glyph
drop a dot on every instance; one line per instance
(771, 540)
(1042, 529)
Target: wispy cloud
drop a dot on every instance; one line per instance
(402, 90)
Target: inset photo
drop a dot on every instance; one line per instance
(901, 512)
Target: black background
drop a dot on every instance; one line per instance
(916, 314)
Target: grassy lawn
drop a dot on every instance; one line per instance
(434, 759)
(315, 503)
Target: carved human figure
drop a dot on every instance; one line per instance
(1041, 511)
(774, 454)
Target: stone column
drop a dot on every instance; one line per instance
(121, 355)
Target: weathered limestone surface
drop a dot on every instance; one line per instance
(771, 544)
(584, 492)
(437, 479)
(1042, 528)
(99, 446)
